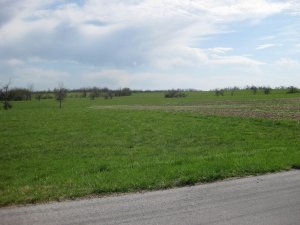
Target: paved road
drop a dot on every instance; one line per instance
(271, 199)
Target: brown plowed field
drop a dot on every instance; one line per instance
(273, 109)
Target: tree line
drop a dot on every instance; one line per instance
(8, 94)
(254, 89)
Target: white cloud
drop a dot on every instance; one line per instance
(40, 78)
(176, 56)
(238, 60)
(164, 22)
(119, 34)
(295, 7)
(241, 10)
(14, 62)
(117, 78)
(297, 48)
(218, 55)
(264, 46)
(265, 38)
(284, 62)
(121, 78)
(220, 50)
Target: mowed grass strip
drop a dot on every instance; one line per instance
(52, 154)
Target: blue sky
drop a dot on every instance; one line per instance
(150, 44)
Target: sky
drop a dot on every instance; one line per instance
(150, 44)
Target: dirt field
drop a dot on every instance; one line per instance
(273, 109)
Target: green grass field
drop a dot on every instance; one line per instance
(142, 142)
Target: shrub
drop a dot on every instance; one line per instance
(267, 90)
(92, 96)
(38, 96)
(219, 92)
(175, 94)
(7, 105)
(108, 95)
(47, 96)
(292, 90)
(254, 89)
(123, 92)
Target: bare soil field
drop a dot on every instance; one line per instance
(278, 109)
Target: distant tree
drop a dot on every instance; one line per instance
(5, 96)
(38, 96)
(48, 95)
(267, 90)
(292, 90)
(92, 96)
(253, 89)
(83, 92)
(175, 94)
(60, 93)
(108, 95)
(30, 91)
(232, 90)
(19, 94)
(219, 92)
(123, 92)
(94, 92)
(126, 92)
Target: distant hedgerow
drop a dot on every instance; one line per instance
(219, 92)
(267, 90)
(175, 94)
(292, 90)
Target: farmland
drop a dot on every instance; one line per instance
(142, 142)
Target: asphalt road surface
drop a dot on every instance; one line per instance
(272, 199)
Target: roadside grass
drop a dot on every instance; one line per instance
(51, 154)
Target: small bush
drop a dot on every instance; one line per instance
(254, 89)
(267, 90)
(123, 92)
(175, 94)
(292, 90)
(7, 105)
(92, 96)
(38, 96)
(108, 95)
(219, 92)
(46, 95)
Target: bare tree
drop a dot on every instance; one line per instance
(60, 93)
(5, 96)
(30, 91)
(38, 96)
(253, 89)
(83, 92)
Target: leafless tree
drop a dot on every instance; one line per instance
(5, 96)
(30, 91)
(60, 93)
